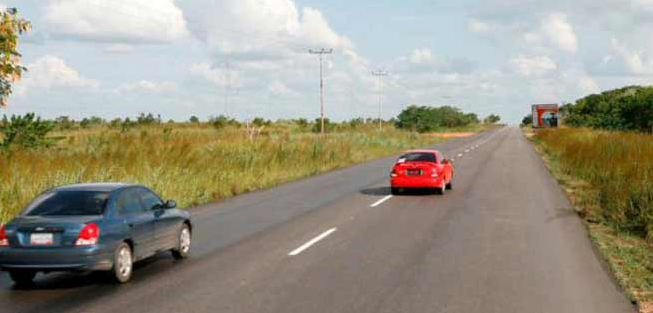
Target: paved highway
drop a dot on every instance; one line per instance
(504, 240)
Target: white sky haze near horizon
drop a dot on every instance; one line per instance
(250, 58)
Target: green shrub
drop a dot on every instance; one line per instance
(27, 131)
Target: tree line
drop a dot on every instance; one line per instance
(628, 108)
(428, 119)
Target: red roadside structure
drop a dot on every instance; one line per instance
(545, 115)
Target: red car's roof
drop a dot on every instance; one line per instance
(422, 151)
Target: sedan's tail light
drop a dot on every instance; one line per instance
(88, 236)
(4, 242)
(434, 173)
(393, 173)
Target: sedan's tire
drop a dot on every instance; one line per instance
(395, 190)
(22, 278)
(441, 190)
(123, 263)
(450, 184)
(183, 243)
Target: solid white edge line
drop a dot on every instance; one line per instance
(386, 198)
(312, 242)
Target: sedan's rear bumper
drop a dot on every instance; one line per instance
(56, 259)
(416, 182)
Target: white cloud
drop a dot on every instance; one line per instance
(119, 48)
(260, 29)
(49, 73)
(588, 85)
(280, 89)
(422, 56)
(478, 26)
(148, 86)
(560, 32)
(217, 76)
(634, 62)
(534, 66)
(133, 21)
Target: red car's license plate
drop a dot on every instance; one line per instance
(41, 239)
(413, 172)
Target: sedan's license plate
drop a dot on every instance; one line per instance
(413, 172)
(41, 239)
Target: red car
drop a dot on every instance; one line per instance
(422, 169)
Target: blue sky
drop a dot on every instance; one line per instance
(120, 58)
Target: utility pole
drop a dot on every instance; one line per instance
(227, 86)
(320, 53)
(380, 74)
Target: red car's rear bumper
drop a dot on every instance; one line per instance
(416, 182)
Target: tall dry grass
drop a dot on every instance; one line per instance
(192, 164)
(619, 168)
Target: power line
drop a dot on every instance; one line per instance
(380, 74)
(320, 53)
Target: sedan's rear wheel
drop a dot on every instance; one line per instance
(394, 190)
(442, 189)
(183, 243)
(123, 263)
(22, 278)
(450, 184)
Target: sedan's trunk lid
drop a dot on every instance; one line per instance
(46, 231)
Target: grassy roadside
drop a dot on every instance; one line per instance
(193, 164)
(621, 243)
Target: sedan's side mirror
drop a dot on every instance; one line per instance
(170, 204)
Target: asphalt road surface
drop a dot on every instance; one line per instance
(504, 240)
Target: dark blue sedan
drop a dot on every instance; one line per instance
(92, 227)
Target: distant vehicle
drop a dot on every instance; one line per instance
(92, 227)
(422, 169)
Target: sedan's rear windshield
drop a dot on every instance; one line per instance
(418, 157)
(59, 203)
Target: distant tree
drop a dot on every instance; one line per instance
(356, 122)
(302, 123)
(317, 125)
(64, 123)
(425, 118)
(91, 121)
(11, 26)
(259, 121)
(527, 120)
(222, 121)
(148, 119)
(492, 119)
(115, 123)
(27, 131)
(194, 119)
(126, 125)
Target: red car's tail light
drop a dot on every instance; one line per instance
(393, 173)
(88, 236)
(434, 173)
(4, 242)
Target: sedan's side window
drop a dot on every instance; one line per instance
(127, 202)
(149, 199)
